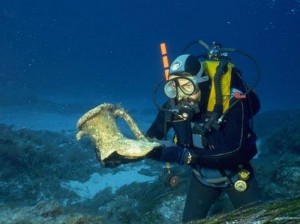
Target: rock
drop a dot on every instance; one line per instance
(48, 209)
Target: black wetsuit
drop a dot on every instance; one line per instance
(227, 150)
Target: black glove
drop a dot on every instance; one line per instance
(172, 154)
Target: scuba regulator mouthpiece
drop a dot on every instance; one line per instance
(185, 110)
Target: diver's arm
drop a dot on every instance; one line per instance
(228, 146)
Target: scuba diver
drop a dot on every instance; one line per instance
(210, 110)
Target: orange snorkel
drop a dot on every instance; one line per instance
(165, 60)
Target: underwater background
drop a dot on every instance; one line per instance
(59, 59)
(109, 50)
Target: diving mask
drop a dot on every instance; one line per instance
(179, 85)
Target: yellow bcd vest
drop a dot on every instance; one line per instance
(210, 68)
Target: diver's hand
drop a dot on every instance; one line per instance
(175, 154)
(172, 154)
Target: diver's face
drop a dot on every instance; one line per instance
(187, 91)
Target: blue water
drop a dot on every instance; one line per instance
(96, 51)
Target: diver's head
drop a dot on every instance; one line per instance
(185, 80)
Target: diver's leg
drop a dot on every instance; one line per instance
(251, 195)
(199, 200)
